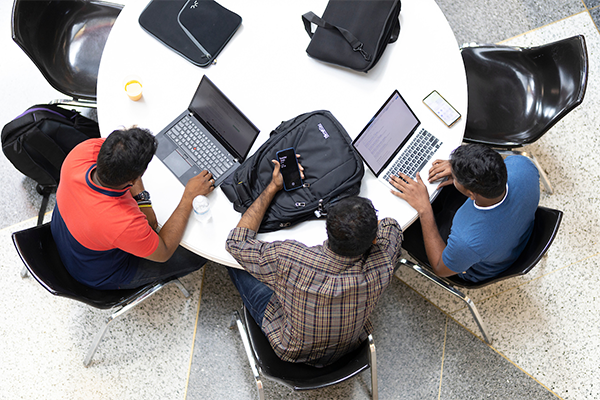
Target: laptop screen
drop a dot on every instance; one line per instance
(212, 107)
(386, 133)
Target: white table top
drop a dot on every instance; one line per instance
(266, 72)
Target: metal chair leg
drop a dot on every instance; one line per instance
(373, 366)
(543, 176)
(185, 292)
(237, 320)
(124, 310)
(74, 103)
(441, 283)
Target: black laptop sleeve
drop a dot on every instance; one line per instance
(160, 19)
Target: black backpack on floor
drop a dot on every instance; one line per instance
(37, 142)
(332, 169)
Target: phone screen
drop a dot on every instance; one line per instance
(441, 108)
(289, 169)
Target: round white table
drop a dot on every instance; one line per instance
(266, 72)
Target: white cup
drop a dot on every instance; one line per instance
(201, 208)
(133, 87)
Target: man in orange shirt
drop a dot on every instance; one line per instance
(103, 222)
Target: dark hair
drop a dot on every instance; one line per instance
(125, 155)
(479, 169)
(351, 226)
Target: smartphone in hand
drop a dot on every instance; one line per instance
(289, 169)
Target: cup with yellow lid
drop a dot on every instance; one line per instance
(133, 87)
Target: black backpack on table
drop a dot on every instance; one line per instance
(37, 142)
(332, 168)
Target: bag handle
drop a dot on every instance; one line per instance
(356, 44)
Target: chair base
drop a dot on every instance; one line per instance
(441, 282)
(74, 103)
(122, 310)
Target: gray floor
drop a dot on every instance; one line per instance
(546, 332)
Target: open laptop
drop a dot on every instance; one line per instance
(394, 141)
(211, 134)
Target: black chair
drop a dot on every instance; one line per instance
(545, 228)
(40, 255)
(65, 40)
(299, 376)
(517, 94)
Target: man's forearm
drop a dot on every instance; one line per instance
(254, 215)
(172, 231)
(434, 244)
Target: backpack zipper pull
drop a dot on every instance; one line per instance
(320, 211)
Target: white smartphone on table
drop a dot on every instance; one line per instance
(441, 108)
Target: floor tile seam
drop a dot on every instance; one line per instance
(587, 9)
(527, 282)
(187, 382)
(503, 356)
(545, 26)
(449, 316)
(11, 227)
(521, 369)
(443, 359)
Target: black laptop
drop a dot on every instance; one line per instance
(211, 134)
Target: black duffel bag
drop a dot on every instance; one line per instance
(332, 171)
(353, 33)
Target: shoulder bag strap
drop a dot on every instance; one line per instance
(356, 44)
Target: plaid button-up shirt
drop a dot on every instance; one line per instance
(322, 301)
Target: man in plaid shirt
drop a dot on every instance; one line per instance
(313, 303)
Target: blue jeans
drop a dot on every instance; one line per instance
(255, 294)
(181, 263)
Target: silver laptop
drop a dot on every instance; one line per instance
(394, 141)
(211, 134)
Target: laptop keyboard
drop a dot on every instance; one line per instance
(415, 156)
(199, 147)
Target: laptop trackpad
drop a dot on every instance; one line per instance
(176, 163)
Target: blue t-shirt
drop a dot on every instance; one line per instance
(483, 242)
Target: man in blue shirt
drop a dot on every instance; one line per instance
(490, 225)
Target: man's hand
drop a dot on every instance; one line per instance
(201, 184)
(171, 233)
(440, 170)
(277, 179)
(415, 193)
(255, 213)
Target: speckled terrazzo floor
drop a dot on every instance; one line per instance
(545, 326)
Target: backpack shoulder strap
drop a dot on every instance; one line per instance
(45, 146)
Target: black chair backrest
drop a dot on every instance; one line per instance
(545, 228)
(298, 375)
(39, 253)
(517, 94)
(65, 40)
